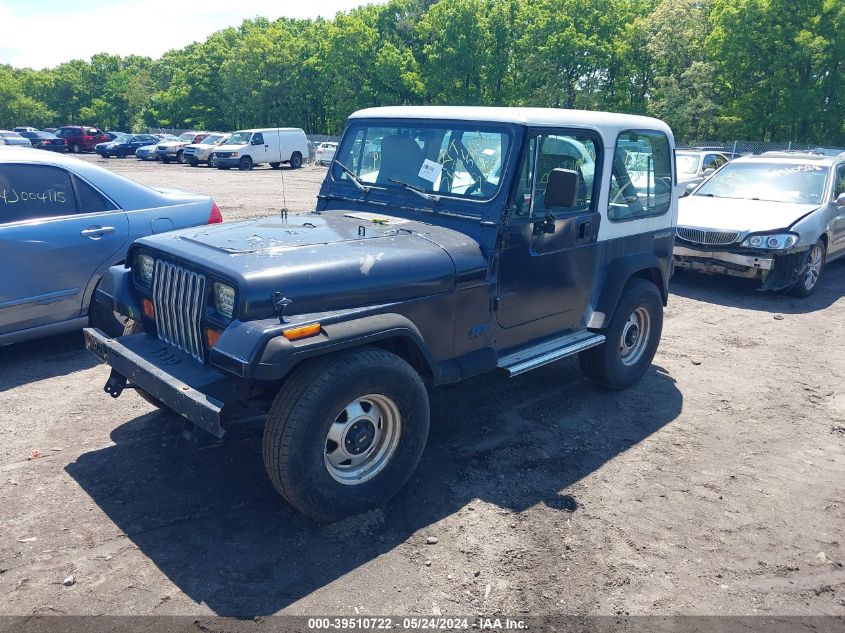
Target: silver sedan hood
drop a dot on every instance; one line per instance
(739, 214)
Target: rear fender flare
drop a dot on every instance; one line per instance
(645, 265)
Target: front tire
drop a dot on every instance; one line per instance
(193, 162)
(631, 338)
(245, 164)
(275, 165)
(808, 280)
(180, 158)
(345, 432)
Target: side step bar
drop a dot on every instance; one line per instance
(548, 352)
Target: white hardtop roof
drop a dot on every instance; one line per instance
(546, 117)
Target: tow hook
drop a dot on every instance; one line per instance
(115, 384)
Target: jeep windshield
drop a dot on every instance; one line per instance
(775, 182)
(454, 160)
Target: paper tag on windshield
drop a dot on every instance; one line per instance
(430, 170)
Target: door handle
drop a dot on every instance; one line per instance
(96, 232)
(585, 231)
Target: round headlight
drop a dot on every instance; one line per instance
(773, 241)
(145, 265)
(224, 300)
(755, 241)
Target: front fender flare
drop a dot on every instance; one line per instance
(281, 355)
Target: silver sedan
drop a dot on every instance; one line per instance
(63, 223)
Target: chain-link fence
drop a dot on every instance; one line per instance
(758, 147)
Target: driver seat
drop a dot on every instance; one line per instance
(401, 158)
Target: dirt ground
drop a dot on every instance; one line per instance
(714, 486)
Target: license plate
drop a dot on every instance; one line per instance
(97, 348)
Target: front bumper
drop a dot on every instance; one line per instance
(170, 152)
(190, 389)
(226, 162)
(722, 262)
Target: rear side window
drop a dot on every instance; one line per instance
(91, 200)
(641, 177)
(34, 191)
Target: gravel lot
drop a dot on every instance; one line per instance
(714, 486)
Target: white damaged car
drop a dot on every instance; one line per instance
(778, 217)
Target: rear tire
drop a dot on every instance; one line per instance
(296, 160)
(374, 404)
(165, 159)
(76, 149)
(245, 164)
(808, 280)
(632, 338)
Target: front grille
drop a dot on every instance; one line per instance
(162, 146)
(223, 154)
(705, 236)
(179, 295)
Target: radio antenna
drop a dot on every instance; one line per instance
(284, 212)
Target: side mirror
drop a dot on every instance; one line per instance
(257, 141)
(690, 188)
(562, 188)
(708, 172)
(840, 200)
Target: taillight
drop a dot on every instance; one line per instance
(215, 217)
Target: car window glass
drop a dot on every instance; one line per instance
(258, 138)
(576, 153)
(90, 200)
(641, 177)
(461, 159)
(520, 205)
(34, 191)
(840, 181)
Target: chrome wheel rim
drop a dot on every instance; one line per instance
(635, 336)
(362, 439)
(814, 268)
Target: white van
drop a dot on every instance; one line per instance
(274, 145)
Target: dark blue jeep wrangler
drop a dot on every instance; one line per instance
(447, 242)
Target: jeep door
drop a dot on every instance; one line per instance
(548, 255)
(56, 231)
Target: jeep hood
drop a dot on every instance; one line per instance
(326, 261)
(734, 214)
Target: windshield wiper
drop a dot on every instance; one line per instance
(356, 179)
(422, 193)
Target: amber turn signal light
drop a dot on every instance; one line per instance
(211, 337)
(297, 333)
(149, 309)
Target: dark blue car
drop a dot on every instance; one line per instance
(124, 146)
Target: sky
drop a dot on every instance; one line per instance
(44, 33)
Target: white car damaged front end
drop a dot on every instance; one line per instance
(756, 239)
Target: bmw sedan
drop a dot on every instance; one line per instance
(778, 218)
(63, 223)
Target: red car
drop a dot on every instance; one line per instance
(81, 138)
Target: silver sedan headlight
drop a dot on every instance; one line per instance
(145, 264)
(224, 299)
(774, 241)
